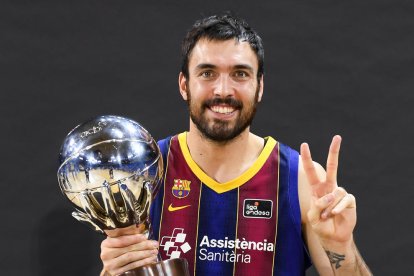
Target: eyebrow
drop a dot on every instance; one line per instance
(244, 67)
(202, 66)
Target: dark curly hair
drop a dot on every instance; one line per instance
(221, 27)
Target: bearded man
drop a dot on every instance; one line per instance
(246, 205)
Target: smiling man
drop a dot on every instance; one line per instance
(234, 203)
(222, 69)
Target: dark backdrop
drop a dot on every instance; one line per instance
(331, 67)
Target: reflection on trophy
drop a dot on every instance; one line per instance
(110, 168)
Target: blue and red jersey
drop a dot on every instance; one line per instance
(250, 225)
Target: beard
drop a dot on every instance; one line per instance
(222, 131)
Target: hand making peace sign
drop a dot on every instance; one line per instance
(332, 212)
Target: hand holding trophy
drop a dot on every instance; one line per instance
(110, 169)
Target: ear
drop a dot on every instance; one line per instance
(261, 83)
(182, 85)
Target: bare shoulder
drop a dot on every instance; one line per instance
(304, 189)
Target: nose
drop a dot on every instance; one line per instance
(223, 87)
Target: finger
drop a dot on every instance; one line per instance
(332, 161)
(111, 253)
(123, 241)
(339, 193)
(130, 261)
(130, 230)
(134, 256)
(347, 202)
(308, 165)
(149, 260)
(318, 205)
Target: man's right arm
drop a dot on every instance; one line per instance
(125, 249)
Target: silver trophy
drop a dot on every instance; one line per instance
(110, 169)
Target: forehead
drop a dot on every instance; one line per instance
(227, 53)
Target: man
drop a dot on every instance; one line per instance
(233, 203)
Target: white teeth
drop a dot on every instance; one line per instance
(222, 109)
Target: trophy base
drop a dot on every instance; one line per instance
(172, 267)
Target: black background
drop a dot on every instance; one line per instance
(332, 67)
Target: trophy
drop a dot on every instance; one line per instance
(110, 169)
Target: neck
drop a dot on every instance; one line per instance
(224, 161)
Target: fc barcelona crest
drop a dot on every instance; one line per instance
(181, 188)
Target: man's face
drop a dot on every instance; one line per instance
(222, 90)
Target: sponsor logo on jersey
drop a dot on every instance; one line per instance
(231, 251)
(181, 188)
(257, 208)
(175, 244)
(222, 250)
(171, 208)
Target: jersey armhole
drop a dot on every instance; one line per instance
(164, 145)
(156, 206)
(294, 197)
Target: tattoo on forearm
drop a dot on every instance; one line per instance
(335, 258)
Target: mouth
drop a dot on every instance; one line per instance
(222, 109)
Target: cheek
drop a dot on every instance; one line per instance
(247, 87)
(200, 88)
(198, 93)
(248, 92)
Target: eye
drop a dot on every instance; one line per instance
(207, 74)
(241, 74)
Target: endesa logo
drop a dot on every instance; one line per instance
(257, 208)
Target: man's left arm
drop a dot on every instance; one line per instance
(328, 216)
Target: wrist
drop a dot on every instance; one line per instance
(341, 255)
(345, 259)
(340, 246)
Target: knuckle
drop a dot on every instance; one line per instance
(118, 242)
(145, 261)
(105, 242)
(352, 197)
(324, 201)
(331, 165)
(104, 255)
(110, 242)
(340, 191)
(140, 236)
(121, 241)
(108, 267)
(129, 256)
(149, 244)
(319, 204)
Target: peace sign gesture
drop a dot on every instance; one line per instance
(332, 212)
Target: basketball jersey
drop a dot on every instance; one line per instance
(250, 225)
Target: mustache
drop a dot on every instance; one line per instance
(227, 101)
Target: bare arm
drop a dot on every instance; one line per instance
(328, 216)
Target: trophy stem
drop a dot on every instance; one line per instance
(172, 267)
